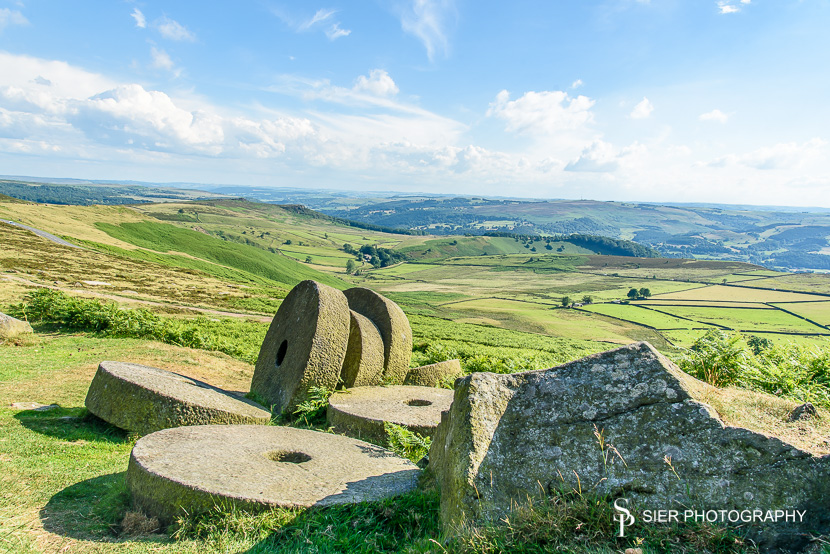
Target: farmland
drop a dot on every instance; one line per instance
(240, 256)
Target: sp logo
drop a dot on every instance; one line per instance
(624, 515)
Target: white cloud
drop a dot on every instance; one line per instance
(576, 84)
(140, 20)
(725, 7)
(545, 112)
(378, 83)
(642, 110)
(600, 156)
(173, 30)
(318, 17)
(162, 60)
(428, 20)
(335, 32)
(784, 155)
(714, 115)
(11, 17)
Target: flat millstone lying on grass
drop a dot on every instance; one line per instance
(252, 467)
(360, 412)
(144, 399)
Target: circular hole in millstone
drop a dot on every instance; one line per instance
(281, 352)
(418, 403)
(287, 456)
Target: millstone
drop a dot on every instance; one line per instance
(11, 327)
(431, 375)
(144, 399)
(360, 412)
(192, 469)
(304, 347)
(363, 364)
(393, 326)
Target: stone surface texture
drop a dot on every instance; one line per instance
(508, 438)
(394, 330)
(304, 346)
(431, 375)
(145, 399)
(192, 469)
(11, 327)
(360, 412)
(363, 364)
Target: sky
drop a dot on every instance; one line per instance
(721, 101)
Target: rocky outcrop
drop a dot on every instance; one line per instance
(623, 424)
(11, 327)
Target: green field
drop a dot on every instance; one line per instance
(747, 319)
(643, 316)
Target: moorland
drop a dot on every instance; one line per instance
(191, 284)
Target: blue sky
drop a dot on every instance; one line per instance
(655, 100)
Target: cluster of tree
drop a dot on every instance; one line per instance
(612, 247)
(635, 294)
(567, 300)
(375, 255)
(75, 195)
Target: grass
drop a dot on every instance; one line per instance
(746, 319)
(642, 316)
(738, 294)
(162, 237)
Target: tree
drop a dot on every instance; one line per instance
(308, 259)
(350, 266)
(633, 294)
(587, 299)
(566, 301)
(287, 242)
(644, 292)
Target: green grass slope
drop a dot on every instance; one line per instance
(162, 237)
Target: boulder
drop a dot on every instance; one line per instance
(144, 399)
(11, 327)
(623, 423)
(431, 375)
(394, 330)
(361, 412)
(304, 346)
(363, 364)
(254, 468)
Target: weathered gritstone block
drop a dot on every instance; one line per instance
(510, 438)
(145, 399)
(393, 326)
(304, 347)
(360, 412)
(11, 327)
(363, 364)
(192, 469)
(431, 375)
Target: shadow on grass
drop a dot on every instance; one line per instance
(70, 424)
(90, 509)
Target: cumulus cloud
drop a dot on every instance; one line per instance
(11, 17)
(427, 20)
(642, 110)
(140, 20)
(173, 30)
(576, 84)
(545, 112)
(714, 115)
(600, 156)
(378, 82)
(784, 155)
(725, 7)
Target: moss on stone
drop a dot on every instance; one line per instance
(433, 374)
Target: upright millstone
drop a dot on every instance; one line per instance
(304, 347)
(394, 330)
(363, 365)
